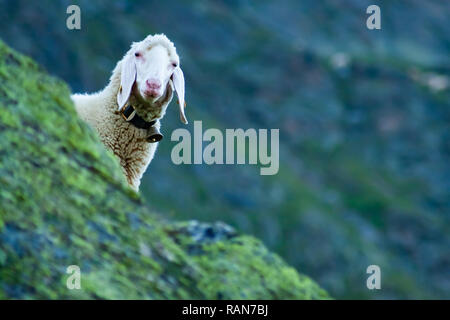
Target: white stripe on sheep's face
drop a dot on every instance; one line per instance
(148, 69)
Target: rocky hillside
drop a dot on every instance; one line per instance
(63, 202)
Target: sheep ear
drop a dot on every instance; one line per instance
(178, 82)
(127, 79)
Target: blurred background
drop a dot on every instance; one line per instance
(364, 119)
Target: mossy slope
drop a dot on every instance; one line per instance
(64, 202)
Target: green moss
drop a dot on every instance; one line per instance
(222, 261)
(64, 201)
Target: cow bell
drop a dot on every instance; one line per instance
(154, 135)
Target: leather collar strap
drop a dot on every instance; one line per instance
(130, 115)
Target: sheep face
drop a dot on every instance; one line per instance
(148, 69)
(154, 68)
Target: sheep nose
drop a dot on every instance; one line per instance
(153, 84)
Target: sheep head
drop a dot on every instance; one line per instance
(148, 70)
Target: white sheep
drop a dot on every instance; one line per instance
(127, 111)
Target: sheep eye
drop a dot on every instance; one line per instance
(174, 65)
(137, 54)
